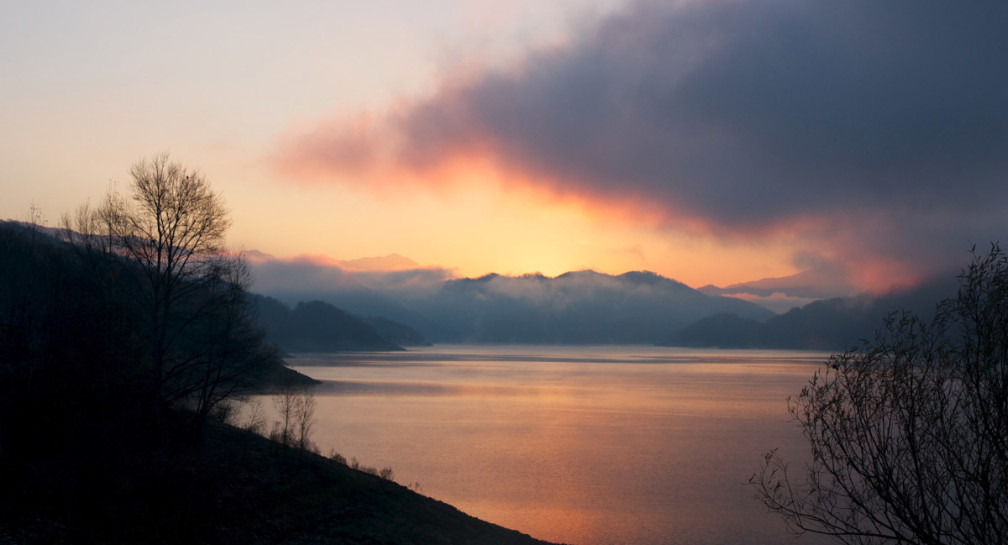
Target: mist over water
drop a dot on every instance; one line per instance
(580, 445)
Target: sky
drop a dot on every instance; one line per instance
(858, 144)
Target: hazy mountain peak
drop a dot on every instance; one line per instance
(256, 257)
(391, 262)
(649, 278)
(817, 283)
(582, 274)
(783, 293)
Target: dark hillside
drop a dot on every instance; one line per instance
(239, 488)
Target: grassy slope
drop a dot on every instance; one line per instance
(238, 487)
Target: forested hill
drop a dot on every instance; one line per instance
(58, 299)
(315, 326)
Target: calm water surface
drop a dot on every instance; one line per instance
(580, 445)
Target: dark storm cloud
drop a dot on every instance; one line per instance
(888, 118)
(744, 112)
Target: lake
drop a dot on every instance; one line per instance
(581, 445)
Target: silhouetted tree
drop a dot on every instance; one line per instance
(909, 433)
(160, 246)
(172, 226)
(224, 347)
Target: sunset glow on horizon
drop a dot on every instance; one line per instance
(496, 230)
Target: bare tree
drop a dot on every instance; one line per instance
(283, 402)
(909, 434)
(304, 419)
(172, 226)
(295, 405)
(164, 240)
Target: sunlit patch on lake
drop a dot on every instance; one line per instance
(581, 445)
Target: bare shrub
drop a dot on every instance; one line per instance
(295, 407)
(225, 412)
(908, 434)
(255, 420)
(337, 457)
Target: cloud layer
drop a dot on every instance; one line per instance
(868, 128)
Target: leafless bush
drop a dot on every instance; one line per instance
(337, 457)
(909, 434)
(225, 412)
(255, 420)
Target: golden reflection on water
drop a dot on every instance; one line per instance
(579, 445)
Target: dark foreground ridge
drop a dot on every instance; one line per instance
(238, 487)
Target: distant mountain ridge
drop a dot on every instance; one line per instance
(579, 307)
(587, 307)
(830, 324)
